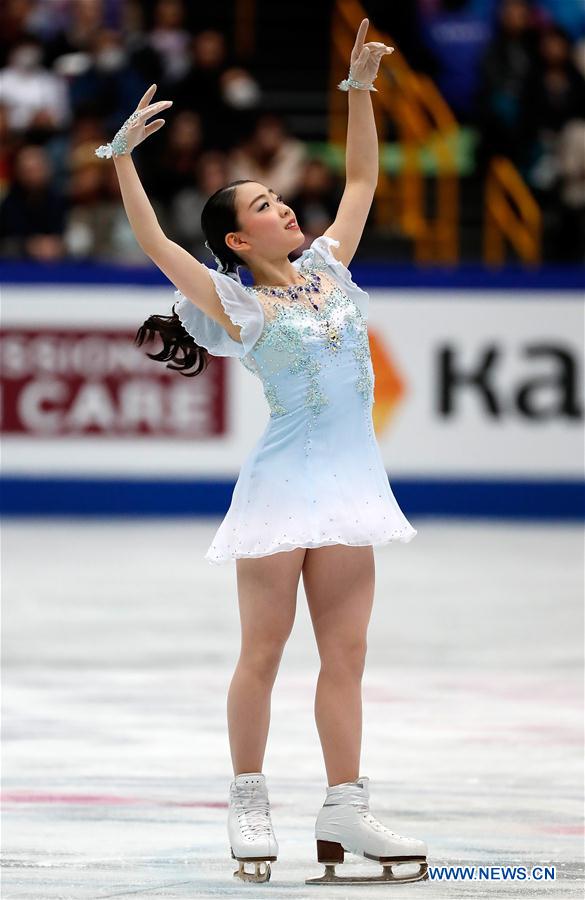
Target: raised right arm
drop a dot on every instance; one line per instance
(189, 275)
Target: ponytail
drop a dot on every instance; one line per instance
(178, 345)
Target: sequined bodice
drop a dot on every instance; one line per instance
(301, 346)
(273, 305)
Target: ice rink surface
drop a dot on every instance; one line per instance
(119, 643)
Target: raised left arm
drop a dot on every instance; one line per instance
(361, 157)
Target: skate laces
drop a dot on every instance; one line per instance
(362, 807)
(362, 804)
(253, 811)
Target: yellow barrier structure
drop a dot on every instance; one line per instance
(510, 214)
(421, 117)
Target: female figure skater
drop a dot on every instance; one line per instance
(313, 497)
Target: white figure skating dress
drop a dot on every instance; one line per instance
(316, 475)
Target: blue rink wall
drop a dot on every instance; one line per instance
(514, 499)
(494, 449)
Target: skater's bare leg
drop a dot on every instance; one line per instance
(339, 584)
(267, 596)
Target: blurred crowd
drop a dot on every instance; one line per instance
(514, 70)
(71, 71)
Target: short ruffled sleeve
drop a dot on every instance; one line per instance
(319, 256)
(243, 309)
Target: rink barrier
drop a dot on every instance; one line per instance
(367, 274)
(539, 498)
(525, 500)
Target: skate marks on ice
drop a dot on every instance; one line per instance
(115, 759)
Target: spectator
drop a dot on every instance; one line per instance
(32, 214)
(241, 95)
(121, 247)
(457, 33)
(14, 26)
(571, 232)
(34, 97)
(171, 41)
(67, 28)
(89, 222)
(174, 167)
(554, 111)
(96, 225)
(579, 56)
(200, 89)
(109, 85)
(239, 89)
(271, 156)
(211, 173)
(554, 96)
(8, 150)
(507, 69)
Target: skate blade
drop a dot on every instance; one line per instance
(258, 875)
(385, 877)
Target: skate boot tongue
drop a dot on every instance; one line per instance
(252, 783)
(250, 778)
(253, 796)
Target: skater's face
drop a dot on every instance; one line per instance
(263, 216)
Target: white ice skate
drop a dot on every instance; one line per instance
(250, 827)
(345, 824)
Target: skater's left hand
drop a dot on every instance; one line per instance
(365, 58)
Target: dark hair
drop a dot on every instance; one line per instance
(218, 217)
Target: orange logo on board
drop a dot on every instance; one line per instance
(389, 387)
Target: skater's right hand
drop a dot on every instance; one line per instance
(135, 130)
